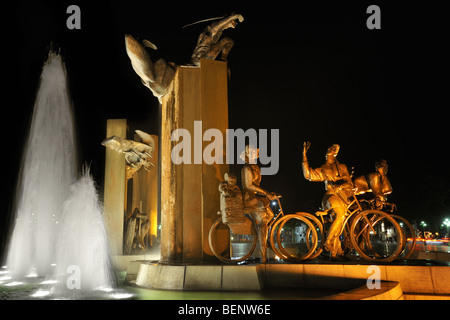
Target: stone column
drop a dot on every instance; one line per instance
(189, 191)
(114, 189)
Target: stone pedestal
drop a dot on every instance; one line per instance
(189, 192)
(114, 189)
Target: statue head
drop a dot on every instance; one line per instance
(332, 152)
(382, 167)
(250, 154)
(115, 143)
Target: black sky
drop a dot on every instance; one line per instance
(313, 71)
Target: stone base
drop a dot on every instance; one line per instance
(350, 278)
(195, 277)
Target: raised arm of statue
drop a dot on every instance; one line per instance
(309, 173)
(228, 22)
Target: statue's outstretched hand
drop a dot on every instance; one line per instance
(306, 146)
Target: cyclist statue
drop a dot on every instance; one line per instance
(339, 188)
(377, 183)
(256, 199)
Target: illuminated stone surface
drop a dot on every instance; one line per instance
(189, 192)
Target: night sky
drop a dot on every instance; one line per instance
(315, 72)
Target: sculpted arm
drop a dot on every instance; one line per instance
(221, 25)
(309, 173)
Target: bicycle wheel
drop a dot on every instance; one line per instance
(293, 237)
(376, 236)
(320, 233)
(242, 250)
(409, 236)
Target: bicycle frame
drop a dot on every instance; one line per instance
(349, 214)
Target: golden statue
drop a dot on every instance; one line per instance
(256, 199)
(210, 44)
(377, 183)
(339, 188)
(157, 76)
(231, 205)
(137, 154)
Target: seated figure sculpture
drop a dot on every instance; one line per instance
(256, 199)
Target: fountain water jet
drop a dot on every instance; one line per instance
(47, 171)
(58, 225)
(82, 254)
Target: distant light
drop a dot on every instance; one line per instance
(274, 202)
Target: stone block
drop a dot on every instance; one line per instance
(160, 276)
(441, 279)
(324, 276)
(169, 277)
(203, 278)
(284, 276)
(411, 278)
(240, 278)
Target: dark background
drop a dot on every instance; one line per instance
(313, 71)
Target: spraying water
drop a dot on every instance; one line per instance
(82, 258)
(58, 233)
(48, 170)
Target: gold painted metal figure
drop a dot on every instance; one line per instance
(339, 188)
(210, 44)
(155, 76)
(137, 154)
(378, 183)
(256, 199)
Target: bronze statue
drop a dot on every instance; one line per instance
(377, 183)
(137, 154)
(231, 205)
(156, 76)
(256, 199)
(210, 44)
(339, 188)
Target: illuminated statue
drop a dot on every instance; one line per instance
(210, 44)
(256, 199)
(156, 76)
(137, 154)
(231, 205)
(377, 183)
(338, 186)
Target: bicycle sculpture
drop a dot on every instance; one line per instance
(345, 223)
(252, 217)
(379, 185)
